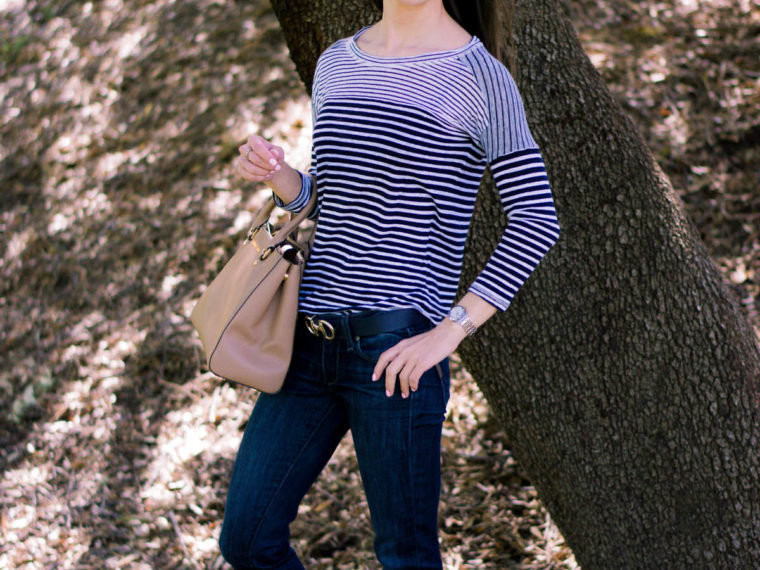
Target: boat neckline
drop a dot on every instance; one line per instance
(474, 40)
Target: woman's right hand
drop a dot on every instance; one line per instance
(259, 159)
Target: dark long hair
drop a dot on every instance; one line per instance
(490, 20)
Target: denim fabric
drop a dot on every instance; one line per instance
(291, 436)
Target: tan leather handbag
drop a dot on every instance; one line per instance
(246, 318)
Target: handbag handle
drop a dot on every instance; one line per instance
(263, 216)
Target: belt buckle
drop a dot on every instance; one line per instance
(320, 327)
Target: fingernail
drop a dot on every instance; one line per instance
(272, 161)
(404, 395)
(374, 377)
(277, 167)
(388, 393)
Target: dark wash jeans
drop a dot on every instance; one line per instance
(292, 434)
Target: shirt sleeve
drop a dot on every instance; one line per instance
(300, 201)
(520, 177)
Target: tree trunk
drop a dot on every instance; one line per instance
(310, 27)
(623, 373)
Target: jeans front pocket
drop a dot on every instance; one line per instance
(371, 347)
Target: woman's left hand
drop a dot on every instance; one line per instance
(411, 357)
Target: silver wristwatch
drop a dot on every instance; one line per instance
(458, 314)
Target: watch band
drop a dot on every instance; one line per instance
(458, 314)
(468, 325)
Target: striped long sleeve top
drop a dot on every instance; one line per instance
(399, 148)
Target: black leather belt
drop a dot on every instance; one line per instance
(363, 323)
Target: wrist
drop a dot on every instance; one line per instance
(459, 315)
(278, 176)
(452, 330)
(286, 183)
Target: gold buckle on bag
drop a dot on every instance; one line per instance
(320, 327)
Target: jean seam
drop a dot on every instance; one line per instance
(441, 383)
(280, 486)
(410, 421)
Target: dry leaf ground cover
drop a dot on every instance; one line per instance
(119, 121)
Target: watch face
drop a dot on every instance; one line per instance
(457, 313)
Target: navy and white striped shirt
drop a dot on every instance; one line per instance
(399, 148)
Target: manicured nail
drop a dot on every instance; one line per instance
(272, 161)
(388, 393)
(374, 377)
(404, 395)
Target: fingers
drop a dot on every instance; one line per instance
(259, 156)
(259, 159)
(408, 378)
(414, 378)
(390, 382)
(405, 363)
(385, 359)
(253, 173)
(278, 152)
(250, 167)
(261, 151)
(398, 365)
(250, 171)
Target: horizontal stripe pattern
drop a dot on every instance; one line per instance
(399, 149)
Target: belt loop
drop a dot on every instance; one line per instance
(347, 334)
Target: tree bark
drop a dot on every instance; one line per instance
(623, 373)
(310, 27)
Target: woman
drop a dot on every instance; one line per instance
(407, 113)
